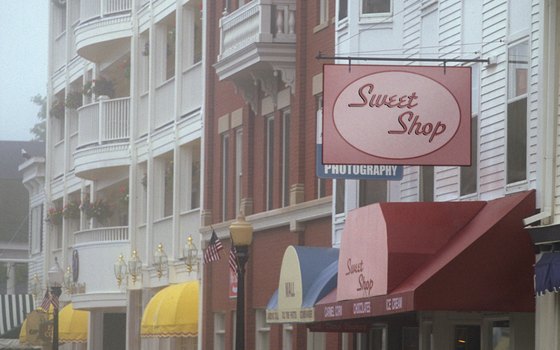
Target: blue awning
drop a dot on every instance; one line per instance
(547, 273)
(307, 275)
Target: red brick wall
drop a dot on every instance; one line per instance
(268, 246)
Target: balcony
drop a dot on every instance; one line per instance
(106, 22)
(259, 36)
(103, 137)
(98, 250)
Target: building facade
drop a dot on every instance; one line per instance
(513, 108)
(169, 118)
(123, 159)
(263, 90)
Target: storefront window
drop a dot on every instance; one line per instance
(500, 335)
(410, 338)
(467, 337)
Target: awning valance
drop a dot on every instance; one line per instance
(172, 312)
(73, 325)
(307, 274)
(13, 310)
(453, 256)
(547, 273)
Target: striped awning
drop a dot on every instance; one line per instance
(13, 310)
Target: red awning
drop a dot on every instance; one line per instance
(482, 262)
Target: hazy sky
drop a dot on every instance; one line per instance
(23, 65)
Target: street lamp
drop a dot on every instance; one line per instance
(190, 255)
(56, 278)
(241, 236)
(160, 261)
(120, 270)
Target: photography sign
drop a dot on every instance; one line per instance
(396, 115)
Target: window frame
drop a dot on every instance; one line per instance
(376, 14)
(512, 178)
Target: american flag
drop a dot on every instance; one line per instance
(212, 252)
(54, 301)
(233, 259)
(46, 301)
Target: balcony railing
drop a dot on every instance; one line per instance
(103, 234)
(104, 121)
(165, 95)
(100, 8)
(257, 22)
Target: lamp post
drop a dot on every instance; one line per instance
(241, 236)
(56, 278)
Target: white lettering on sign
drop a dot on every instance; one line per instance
(393, 304)
(333, 311)
(362, 170)
(361, 308)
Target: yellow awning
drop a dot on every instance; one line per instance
(23, 333)
(72, 325)
(39, 327)
(172, 312)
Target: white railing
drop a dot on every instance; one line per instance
(257, 22)
(102, 234)
(58, 159)
(104, 121)
(99, 8)
(114, 122)
(88, 124)
(164, 103)
(59, 51)
(89, 9)
(192, 93)
(113, 6)
(162, 233)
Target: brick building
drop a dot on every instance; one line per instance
(262, 98)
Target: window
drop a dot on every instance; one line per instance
(467, 337)
(238, 168)
(316, 340)
(469, 175)
(501, 335)
(375, 6)
(287, 331)
(192, 40)
(195, 177)
(376, 339)
(342, 9)
(262, 329)
(372, 191)
(144, 62)
(518, 63)
(269, 134)
(321, 182)
(519, 17)
(339, 196)
(426, 184)
(59, 19)
(219, 331)
(225, 175)
(323, 11)
(168, 187)
(286, 158)
(36, 228)
(170, 51)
